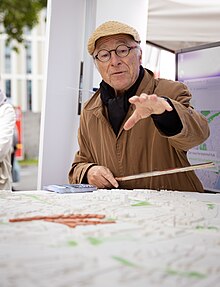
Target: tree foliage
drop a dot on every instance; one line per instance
(16, 15)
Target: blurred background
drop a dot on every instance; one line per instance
(22, 45)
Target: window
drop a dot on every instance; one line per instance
(29, 95)
(8, 88)
(7, 59)
(28, 57)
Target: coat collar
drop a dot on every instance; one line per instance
(147, 86)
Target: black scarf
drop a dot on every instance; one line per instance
(118, 106)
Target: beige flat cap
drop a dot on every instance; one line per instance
(111, 28)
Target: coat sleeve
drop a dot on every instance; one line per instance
(7, 125)
(83, 159)
(195, 129)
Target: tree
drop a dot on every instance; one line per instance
(16, 15)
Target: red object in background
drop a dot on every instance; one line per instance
(19, 151)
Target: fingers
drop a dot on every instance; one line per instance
(134, 118)
(146, 105)
(154, 103)
(161, 104)
(101, 177)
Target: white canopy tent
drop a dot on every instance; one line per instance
(178, 24)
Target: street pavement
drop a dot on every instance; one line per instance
(28, 178)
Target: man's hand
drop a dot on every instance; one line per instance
(146, 105)
(101, 177)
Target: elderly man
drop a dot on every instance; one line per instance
(134, 123)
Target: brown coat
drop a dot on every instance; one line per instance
(143, 148)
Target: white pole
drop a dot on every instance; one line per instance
(59, 119)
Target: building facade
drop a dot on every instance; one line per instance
(22, 73)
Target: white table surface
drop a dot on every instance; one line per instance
(159, 239)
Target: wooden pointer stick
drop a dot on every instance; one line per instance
(167, 171)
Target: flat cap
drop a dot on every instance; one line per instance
(111, 28)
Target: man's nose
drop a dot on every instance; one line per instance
(115, 59)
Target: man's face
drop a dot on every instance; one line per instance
(119, 73)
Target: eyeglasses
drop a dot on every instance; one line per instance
(121, 51)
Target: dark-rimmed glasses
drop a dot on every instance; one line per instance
(121, 51)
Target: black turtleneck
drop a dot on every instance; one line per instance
(118, 106)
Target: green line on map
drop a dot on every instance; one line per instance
(213, 117)
(191, 274)
(95, 241)
(141, 203)
(211, 205)
(205, 113)
(207, 227)
(124, 261)
(72, 243)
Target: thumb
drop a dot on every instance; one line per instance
(134, 118)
